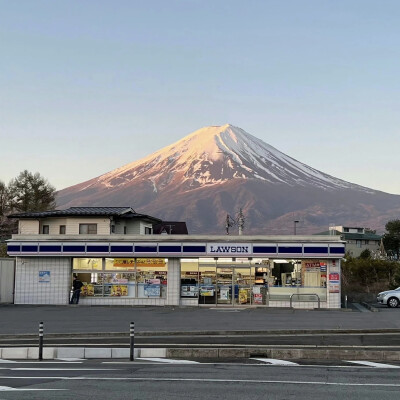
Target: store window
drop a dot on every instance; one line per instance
(122, 277)
(151, 277)
(87, 229)
(189, 278)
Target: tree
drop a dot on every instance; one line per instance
(5, 225)
(31, 192)
(391, 239)
(366, 253)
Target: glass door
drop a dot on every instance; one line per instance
(242, 283)
(224, 285)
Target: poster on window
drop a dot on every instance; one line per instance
(152, 291)
(207, 291)
(44, 276)
(257, 298)
(224, 293)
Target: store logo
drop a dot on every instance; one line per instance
(222, 248)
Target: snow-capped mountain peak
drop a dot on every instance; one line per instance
(217, 154)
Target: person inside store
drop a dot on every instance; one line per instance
(76, 290)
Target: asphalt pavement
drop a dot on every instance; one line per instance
(255, 379)
(22, 319)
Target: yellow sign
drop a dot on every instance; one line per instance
(124, 262)
(150, 262)
(242, 296)
(119, 290)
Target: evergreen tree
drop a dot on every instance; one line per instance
(391, 239)
(31, 192)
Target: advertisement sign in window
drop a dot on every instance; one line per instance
(44, 276)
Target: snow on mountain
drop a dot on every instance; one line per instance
(217, 154)
(219, 169)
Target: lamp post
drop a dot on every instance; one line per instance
(294, 225)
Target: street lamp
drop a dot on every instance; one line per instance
(295, 222)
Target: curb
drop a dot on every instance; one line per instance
(369, 307)
(52, 353)
(206, 333)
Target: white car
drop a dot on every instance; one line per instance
(391, 298)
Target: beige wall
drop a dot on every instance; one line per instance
(28, 227)
(33, 227)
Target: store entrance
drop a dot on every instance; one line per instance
(233, 286)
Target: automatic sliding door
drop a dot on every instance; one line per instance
(224, 285)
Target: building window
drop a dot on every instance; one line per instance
(62, 229)
(45, 229)
(124, 230)
(367, 242)
(148, 231)
(112, 228)
(87, 229)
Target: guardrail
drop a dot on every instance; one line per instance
(305, 294)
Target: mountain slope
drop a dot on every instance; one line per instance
(216, 170)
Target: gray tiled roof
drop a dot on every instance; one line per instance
(85, 211)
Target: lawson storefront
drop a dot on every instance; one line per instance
(234, 271)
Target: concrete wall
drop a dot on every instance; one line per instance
(31, 287)
(7, 268)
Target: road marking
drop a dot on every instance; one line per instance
(274, 361)
(251, 381)
(71, 359)
(62, 369)
(11, 389)
(374, 364)
(167, 360)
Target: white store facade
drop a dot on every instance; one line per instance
(271, 271)
(117, 267)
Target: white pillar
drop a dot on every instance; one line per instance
(174, 282)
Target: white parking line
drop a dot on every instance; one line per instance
(167, 360)
(224, 381)
(274, 361)
(11, 389)
(374, 364)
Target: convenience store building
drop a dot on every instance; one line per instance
(122, 265)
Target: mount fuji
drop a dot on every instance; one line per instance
(217, 170)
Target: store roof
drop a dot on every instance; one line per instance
(352, 236)
(122, 212)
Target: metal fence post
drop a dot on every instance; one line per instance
(132, 341)
(40, 340)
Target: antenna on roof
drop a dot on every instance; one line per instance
(230, 222)
(240, 221)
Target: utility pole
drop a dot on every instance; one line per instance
(229, 223)
(241, 222)
(295, 223)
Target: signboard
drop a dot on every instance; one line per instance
(224, 293)
(150, 262)
(242, 296)
(44, 276)
(232, 249)
(119, 290)
(257, 298)
(207, 290)
(152, 291)
(334, 276)
(189, 291)
(124, 262)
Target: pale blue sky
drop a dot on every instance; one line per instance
(88, 86)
